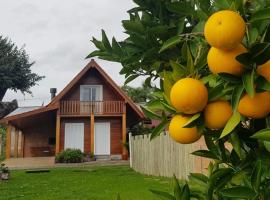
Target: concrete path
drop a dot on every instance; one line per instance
(48, 162)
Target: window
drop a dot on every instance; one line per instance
(91, 92)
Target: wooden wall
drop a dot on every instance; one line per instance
(92, 77)
(116, 132)
(36, 140)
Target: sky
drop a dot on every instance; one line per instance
(56, 35)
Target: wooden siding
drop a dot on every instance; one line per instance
(36, 139)
(92, 77)
(116, 133)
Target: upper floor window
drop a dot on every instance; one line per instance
(91, 93)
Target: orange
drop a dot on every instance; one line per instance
(180, 134)
(221, 61)
(217, 113)
(189, 95)
(224, 29)
(264, 70)
(256, 107)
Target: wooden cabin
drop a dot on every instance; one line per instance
(91, 113)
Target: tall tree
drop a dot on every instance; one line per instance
(139, 94)
(15, 72)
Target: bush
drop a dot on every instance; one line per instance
(70, 156)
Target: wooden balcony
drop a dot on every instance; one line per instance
(85, 108)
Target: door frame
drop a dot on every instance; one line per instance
(109, 136)
(83, 125)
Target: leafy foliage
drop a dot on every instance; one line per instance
(3, 136)
(70, 156)
(15, 72)
(165, 42)
(139, 94)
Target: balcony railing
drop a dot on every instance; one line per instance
(70, 107)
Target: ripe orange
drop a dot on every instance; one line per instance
(217, 113)
(264, 70)
(221, 61)
(224, 29)
(180, 134)
(189, 95)
(256, 107)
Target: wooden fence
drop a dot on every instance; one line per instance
(164, 157)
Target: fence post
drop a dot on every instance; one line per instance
(130, 139)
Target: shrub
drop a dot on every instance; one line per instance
(70, 156)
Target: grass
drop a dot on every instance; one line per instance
(89, 183)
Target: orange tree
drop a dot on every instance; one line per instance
(211, 58)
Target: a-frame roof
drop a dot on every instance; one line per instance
(90, 65)
(55, 102)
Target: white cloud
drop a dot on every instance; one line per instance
(57, 36)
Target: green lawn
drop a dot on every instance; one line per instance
(89, 183)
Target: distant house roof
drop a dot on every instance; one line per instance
(21, 110)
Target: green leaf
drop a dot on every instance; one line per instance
(150, 114)
(157, 130)
(260, 53)
(190, 63)
(170, 43)
(215, 178)
(98, 44)
(116, 47)
(263, 134)
(261, 15)
(185, 194)
(205, 154)
(253, 34)
(167, 83)
(244, 58)
(213, 148)
(134, 26)
(190, 123)
(154, 105)
(267, 145)
(179, 70)
(231, 124)
(238, 192)
(162, 195)
(236, 95)
(216, 92)
(235, 141)
(256, 176)
(183, 8)
(130, 78)
(222, 4)
(248, 81)
(168, 107)
(230, 78)
(262, 83)
(198, 178)
(106, 42)
(177, 188)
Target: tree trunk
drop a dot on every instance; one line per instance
(2, 93)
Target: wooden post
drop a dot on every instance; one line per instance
(124, 134)
(8, 141)
(22, 145)
(57, 135)
(16, 143)
(92, 123)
